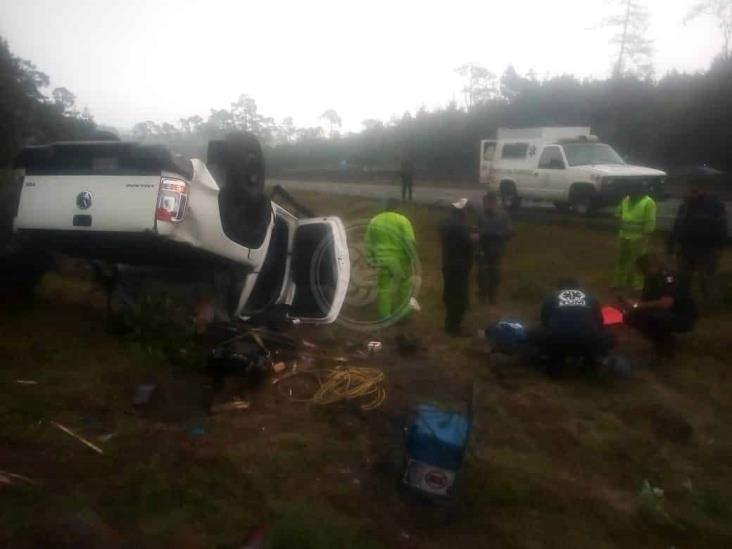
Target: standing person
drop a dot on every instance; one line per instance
(391, 247)
(457, 259)
(406, 172)
(665, 308)
(495, 228)
(699, 233)
(637, 216)
(571, 326)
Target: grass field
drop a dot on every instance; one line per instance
(585, 461)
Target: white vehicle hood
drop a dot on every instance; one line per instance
(619, 170)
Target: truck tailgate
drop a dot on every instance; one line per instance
(88, 202)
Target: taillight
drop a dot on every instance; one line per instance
(172, 200)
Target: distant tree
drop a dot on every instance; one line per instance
(287, 130)
(480, 84)
(145, 129)
(372, 124)
(221, 121)
(331, 116)
(167, 129)
(26, 114)
(245, 114)
(65, 100)
(309, 134)
(721, 11)
(191, 124)
(86, 116)
(32, 79)
(634, 48)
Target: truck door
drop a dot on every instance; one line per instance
(487, 156)
(320, 269)
(551, 173)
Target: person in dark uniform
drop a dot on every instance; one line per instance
(698, 235)
(457, 259)
(406, 172)
(666, 307)
(495, 228)
(571, 326)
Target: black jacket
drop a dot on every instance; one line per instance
(571, 311)
(457, 247)
(701, 223)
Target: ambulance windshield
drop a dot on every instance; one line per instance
(582, 154)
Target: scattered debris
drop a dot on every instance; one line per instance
(107, 437)
(78, 437)
(11, 479)
(414, 305)
(374, 346)
(279, 367)
(342, 383)
(308, 344)
(144, 394)
(235, 404)
(26, 382)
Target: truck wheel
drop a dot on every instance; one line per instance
(509, 197)
(583, 201)
(562, 206)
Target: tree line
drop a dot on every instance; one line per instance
(27, 115)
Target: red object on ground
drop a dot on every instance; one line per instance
(611, 316)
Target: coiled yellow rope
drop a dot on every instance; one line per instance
(345, 383)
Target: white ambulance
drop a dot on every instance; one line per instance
(564, 165)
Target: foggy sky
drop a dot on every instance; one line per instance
(134, 60)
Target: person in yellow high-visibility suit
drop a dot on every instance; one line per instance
(637, 217)
(390, 246)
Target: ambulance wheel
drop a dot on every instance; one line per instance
(509, 197)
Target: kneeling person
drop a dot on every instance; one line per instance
(572, 326)
(665, 308)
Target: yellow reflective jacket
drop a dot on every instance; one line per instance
(637, 219)
(390, 236)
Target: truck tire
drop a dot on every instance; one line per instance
(562, 206)
(583, 199)
(509, 196)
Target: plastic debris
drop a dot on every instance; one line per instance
(11, 479)
(78, 437)
(26, 382)
(279, 367)
(374, 346)
(235, 404)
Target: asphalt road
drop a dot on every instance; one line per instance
(443, 196)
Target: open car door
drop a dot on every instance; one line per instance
(320, 270)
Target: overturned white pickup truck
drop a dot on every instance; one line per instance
(152, 214)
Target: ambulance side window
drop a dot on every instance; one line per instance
(551, 159)
(515, 150)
